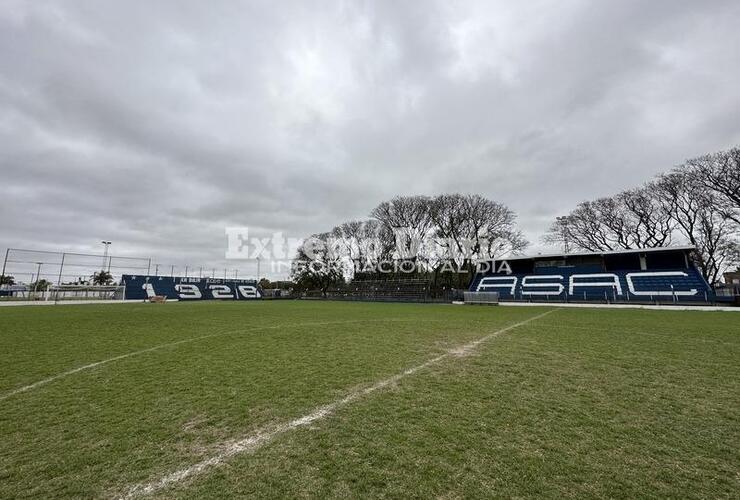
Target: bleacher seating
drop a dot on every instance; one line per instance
(404, 290)
(616, 280)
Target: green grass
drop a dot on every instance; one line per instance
(580, 403)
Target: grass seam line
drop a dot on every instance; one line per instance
(263, 436)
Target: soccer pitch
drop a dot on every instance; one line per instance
(326, 399)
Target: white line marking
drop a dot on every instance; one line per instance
(265, 435)
(183, 341)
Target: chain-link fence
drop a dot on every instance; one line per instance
(27, 272)
(42, 268)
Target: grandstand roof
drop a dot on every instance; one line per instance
(607, 252)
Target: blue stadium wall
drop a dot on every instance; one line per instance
(143, 287)
(664, 276)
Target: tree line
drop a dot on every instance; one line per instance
(440, 238)
(696, 203)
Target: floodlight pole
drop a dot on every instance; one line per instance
(105, 252)
(186, 271)
(5, 262)
(156, 269)
(38, 276)
(61, 267)
(200, 272)
(258, 269)
(172, 271)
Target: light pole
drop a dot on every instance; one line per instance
(105, 252)
(38, 276)
(156, 269)
(562, 222)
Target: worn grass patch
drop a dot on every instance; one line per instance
(597, 403)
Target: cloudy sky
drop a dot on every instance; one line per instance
(157, 124)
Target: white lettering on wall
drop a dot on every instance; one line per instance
(527, 282)
(613, 282)
(492, 282)
(188, 291)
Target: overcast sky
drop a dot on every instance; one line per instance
(157, 124)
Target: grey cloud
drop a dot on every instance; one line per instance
(156, 125)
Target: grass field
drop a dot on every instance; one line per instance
(320, 399)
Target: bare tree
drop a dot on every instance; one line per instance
(409, 218)
(720, 172)
(448, 214)
(700, 220)
(592, 226)
(363, 244)
(491, 226)
(428, 231)
(631, 219)
(474, 228)
(348, 235)
(376, 242)
(650, 223)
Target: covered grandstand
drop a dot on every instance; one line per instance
(662, 275)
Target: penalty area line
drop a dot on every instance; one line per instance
(262, 437)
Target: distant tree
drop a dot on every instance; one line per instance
(317, 265)
(7, 280)
(265, 284)
(102, 278)
(40, 285)
(430, 232)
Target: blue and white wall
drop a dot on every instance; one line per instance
(143, 287)
(572, 284)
